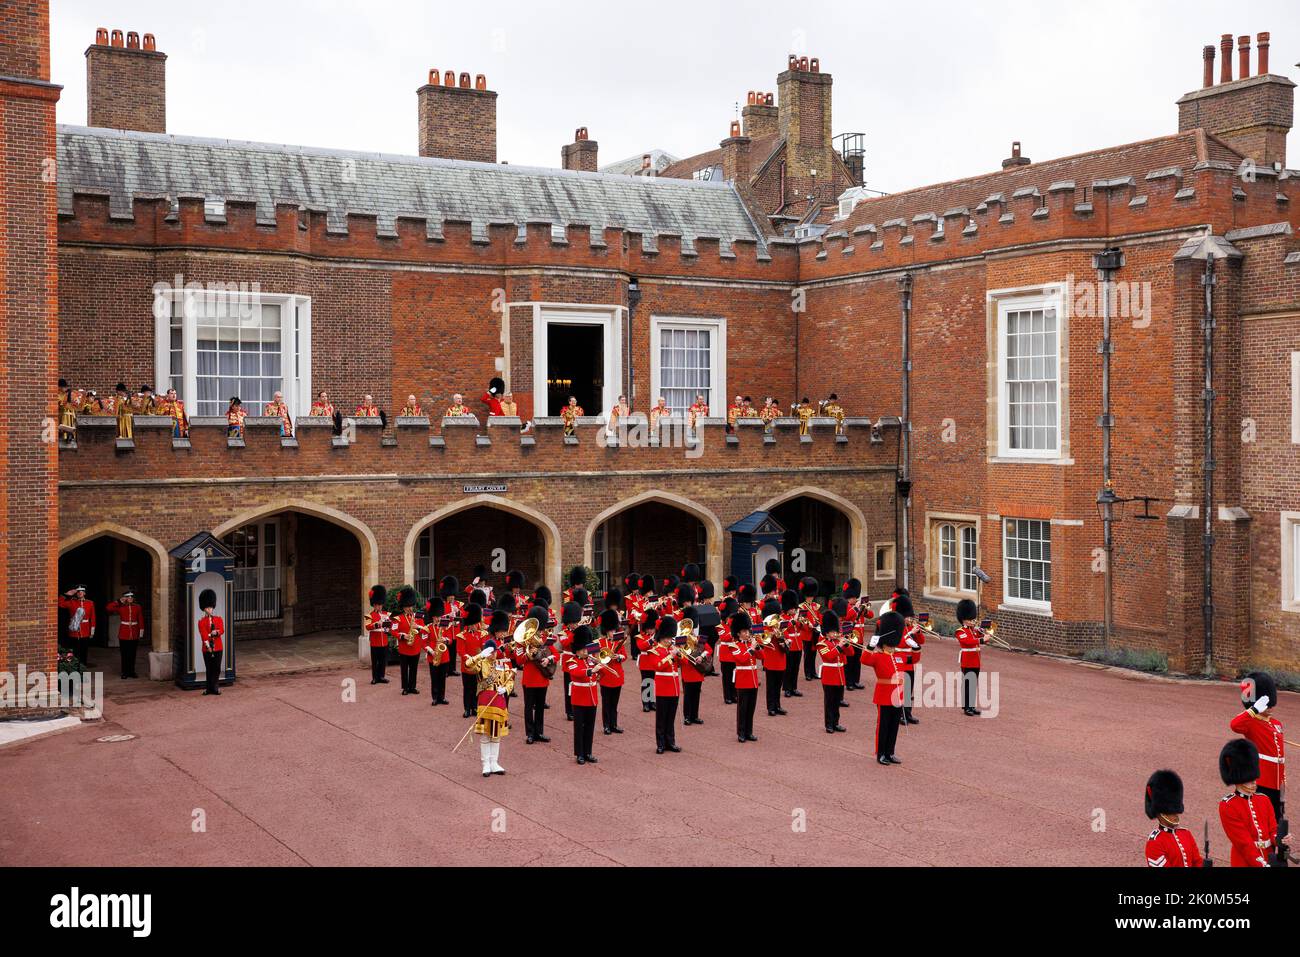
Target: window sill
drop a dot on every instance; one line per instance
(949, 595)
(1291, 607)
(1042, 611)
(1028, 460)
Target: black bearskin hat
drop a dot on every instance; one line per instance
(542, 593)
(728, 607)
(903, 605)
(378, 595)
(691, 572)
(669, 584)
(704, 591)
(582, 637)
(480, 572)
(852, 589)
(577, 576)
(967, 610)
(770, 606)
(571, 613)
(500, 621)
(789, 600)
(773, 567)
(473, 615)
(1239, 762)
(1258, 685)
(478, 597)
(406, 597)
(207, 599)
(514, 579)
(666, 628)
(608, 621)
(506, 602)
(540, 614)
(747, 594)
(646, 585)
(649, 620)
(435, 607)
(497, 387)
(830, 623)
(740, 622)
(768, 584)
(685, 594)
(840, 606)
(1164, 794)
(889, 629)
(580, 596)
(449, 587)
(730, 583)
(614, 598)
(631, 582)
(809, 587)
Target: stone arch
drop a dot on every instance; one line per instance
(858, 557)
(365, 537)
(712, 526)
(160, 584)
(550, 532)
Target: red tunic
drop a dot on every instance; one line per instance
(889, 689)
(833, 659)
(1247, 818)
(668, 680)
(970, 640)
(691, 674)
(727, 647)
(747, 662)
(211, 629)
(612, 676)
(534, 677)
(468, 645)
(493, 403)
(907, 657)
(1266, 735)
(404, 626)
(377, 628)
(88, 616)
(1172, 847)
(582, 683)
(130, 620)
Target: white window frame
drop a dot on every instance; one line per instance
(717, 326)
(960, 524)
(1295, 398)
(1052, 297)
(264, 572)
(1289, 584)
(607, 318)
(1016, 602)
(889, 573)
(295, 363)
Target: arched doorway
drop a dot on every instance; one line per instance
(300, 569)
(109, 559)
(825, 536)
(654, 533)
(486, 530)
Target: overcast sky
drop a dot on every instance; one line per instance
(939, 89)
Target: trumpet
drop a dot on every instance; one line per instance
(991, 636)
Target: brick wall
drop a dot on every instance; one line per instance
(126, 89)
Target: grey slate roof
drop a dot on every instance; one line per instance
(125, 164)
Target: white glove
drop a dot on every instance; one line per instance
(912, 643)
(1261, 704)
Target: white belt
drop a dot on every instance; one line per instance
(746, 667)
(1269, 757)
(970, 651)
(582, 684)
(832, 664)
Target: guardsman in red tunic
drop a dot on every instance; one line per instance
(1258, 726)
(584, 678)
(831, 648)
(696, 662)
(539, 667)
(969, 639)
(410, 640)
(212, 631)
(774, 650)
(130, 629)
(81, 622)
(495, 669)
(515, 585)
(859, 612)
(492, 397)
(649, 616)
(1246, 815)
(668, 684)
(570, 619)
(773, 568)
(809, 621)
(453, 608)
(438, 649)
(888, 695)
(1169, 845)
(747, 660)
(909, 651)
(613, 643)
(727, 649)
(375, 625)
(469, 642)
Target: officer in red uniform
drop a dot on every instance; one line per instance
(645, 642)
(584, 677)
(577, 579)
(808, 590)
(570, 618)
(538, 669)
(727, 650)
(888, 695)
(859, 613)
(613, 641)
(492, 397)
(515, 585)
(130, 629)
(438, 649)
(969, 637)
(773, 570)
(409, 630)
(211, 631)
(469, 642)
(695, 667)
(633, 602)
(1246, 815)
(909, 652)
(747, 660)
(449, 591)
(831, 649)
(668, 684)
(1258, 725)
(81, 622)
(375, 625)
(774, 652)
(1169, 845)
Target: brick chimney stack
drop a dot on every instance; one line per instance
(581, 153)
(760, 116)
(735, 156)
(458, 119)
(804, 119)
(1016, 158)
(1252, 114)
(126, 82)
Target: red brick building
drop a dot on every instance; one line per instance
(432, 274)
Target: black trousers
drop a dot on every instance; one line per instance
(584, 729)
(969, 687)
(1275, 798)
(410, 671)
(648, 688)
(810, 661)
(853, 670)
(691, 699)
(746, 703)
(568, 703)
(535, 711)
(887, 728)
(378, 662)
(128, 649)
(609, 707)
(832, 695)
(469, 690)
(438, 681)
(212, 663)
(728, 682)
(908, 681)
(666, 722)
(774, 679)
(81, 646)
(790, 680)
